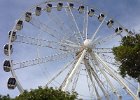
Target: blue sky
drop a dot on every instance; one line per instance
(125, 11)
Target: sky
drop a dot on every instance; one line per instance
(124, 11)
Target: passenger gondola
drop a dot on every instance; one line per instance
(13, 37)
(110, 23)
(91, 12)
(81, 9)
(19, 25)
(38, 11)
(11, 84)
(6, 49)
(101, 17)
(59, 6)
(118, 30)
(71, 5)
(28, 16)
(6, 66)
(49, 7)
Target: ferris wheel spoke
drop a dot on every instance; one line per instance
(94, 34)
(109, 59)
(59, 72)
(124, 78)
(89, 84)
(71, 27)
(64, 82)
(91, 79)
(43, 42)
(127, 80)
(112, 63)
(103, 50)
(114, 90)
(60, 24)
(65, 24)
(79, 35)
(117, 77)
(63, 46)
(70, 75)
(92, 93)
(36, 61)
(100, 84)
(85, 24)
(45, 28)
(106, 39)
(76, 80)
(97, 94)
(70, 42)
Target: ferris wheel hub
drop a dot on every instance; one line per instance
(88, 43)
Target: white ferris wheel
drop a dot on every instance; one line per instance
(67, 45)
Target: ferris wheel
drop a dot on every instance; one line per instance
(67, 45)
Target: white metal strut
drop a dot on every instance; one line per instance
(69, 79)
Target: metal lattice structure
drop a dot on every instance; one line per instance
(70, 43)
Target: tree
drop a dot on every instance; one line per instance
(46, 94)
(7, 97)
(128, 53)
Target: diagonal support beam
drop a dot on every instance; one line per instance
(76, 80)
(119, 79)
(96, 78)
(61, 71)
(91, 79)
(69, 79)
(107, 79)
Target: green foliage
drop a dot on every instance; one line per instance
(43, 94)
(5, 97)
(128, 53)
(46, 94)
